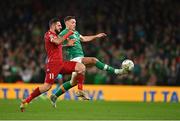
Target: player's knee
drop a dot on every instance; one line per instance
(48, 87)
(80, 68)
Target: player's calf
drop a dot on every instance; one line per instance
(80, 79)
(45, 87)
(39, 90)
(80, 69)
(89, 61)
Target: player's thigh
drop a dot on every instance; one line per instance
(68, 67)
(77, 59)
(52, 71)
(89, 61)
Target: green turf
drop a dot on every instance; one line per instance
(42, 109)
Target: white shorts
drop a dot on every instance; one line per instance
(77, 59)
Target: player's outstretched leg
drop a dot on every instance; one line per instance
(23, 105)
(26, 101)
(39, 90)
(95, 62)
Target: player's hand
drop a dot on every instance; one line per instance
(70, 42)
(101, 35)
(71, 31)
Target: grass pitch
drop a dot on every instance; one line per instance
(86, 110)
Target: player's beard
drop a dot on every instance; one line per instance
(57, 31)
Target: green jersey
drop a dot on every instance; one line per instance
(76, 50)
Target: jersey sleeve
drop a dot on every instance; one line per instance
(48, 37)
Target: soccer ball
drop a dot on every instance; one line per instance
(127, 64)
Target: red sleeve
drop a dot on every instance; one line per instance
(48, 36)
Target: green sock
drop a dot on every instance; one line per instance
(63, 88)
(106, 67)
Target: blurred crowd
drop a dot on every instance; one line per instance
(146, 31)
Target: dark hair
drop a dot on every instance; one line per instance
(53, 20)
(67, 18)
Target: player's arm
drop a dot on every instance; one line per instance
(92, 37)
(59, 39)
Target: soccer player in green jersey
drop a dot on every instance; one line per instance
(75, 53)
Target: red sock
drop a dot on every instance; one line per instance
(34, 94)
(80, 79)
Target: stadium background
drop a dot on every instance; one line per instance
(146, 31)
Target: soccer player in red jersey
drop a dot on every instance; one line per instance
(55, 63)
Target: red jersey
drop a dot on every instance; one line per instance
(54, 52)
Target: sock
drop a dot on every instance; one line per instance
(107, 68)
(80, 79)
(63, 88)
(34, 94)
(119, 71)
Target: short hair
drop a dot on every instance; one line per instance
(67, 18)
(53, 20)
